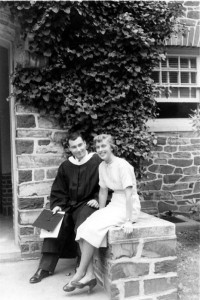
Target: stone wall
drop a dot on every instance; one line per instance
(141, 265)
(173, 172)
(39, 152)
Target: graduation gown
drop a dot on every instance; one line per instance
(74, 185)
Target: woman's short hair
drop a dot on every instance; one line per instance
(108, 137)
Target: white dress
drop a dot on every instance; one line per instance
(117, 176)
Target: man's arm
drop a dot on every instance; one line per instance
(59, 192)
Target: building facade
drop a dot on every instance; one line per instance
(31, 148)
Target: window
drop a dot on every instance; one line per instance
(178, 75)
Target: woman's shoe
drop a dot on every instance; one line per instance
(91, 284)
(68, 288)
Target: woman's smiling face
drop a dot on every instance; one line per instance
(104, 150)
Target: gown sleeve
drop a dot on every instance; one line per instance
(59, 192)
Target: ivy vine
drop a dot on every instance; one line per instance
(100, 57)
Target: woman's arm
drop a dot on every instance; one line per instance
(128, 228)
(103, 194)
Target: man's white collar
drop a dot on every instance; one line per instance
(75, 161)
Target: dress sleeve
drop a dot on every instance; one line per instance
(101, 177)
(127, 175)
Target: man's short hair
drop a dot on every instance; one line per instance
(74, 135)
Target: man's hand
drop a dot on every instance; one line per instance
(93, 203)
(128, 227)
(56, 209)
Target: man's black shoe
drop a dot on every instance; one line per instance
(39, 275)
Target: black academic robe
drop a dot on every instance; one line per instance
(73, 187)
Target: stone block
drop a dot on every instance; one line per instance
(178, 141)
(24, 248)
(160, 161)
(26, 109)
(193, 14)
(36, 246)
(39, 161)
(184, 192)
(35, 189)
(166, 266)
(59, 136)
(50, 148)
(173, 178)
(182, 154)
(131, 289)
(175, 187)
(164, 155)
(48, 123)
(196, 187)
(161, 140)
(191, 3)
(190, 170)
(195, 147)
(151, 185)
(180, 162)
(161, 169)
(197, 160)
(116, 251)
(142, 229)
(178, 171)
(195, 141)
(170, 296)
(170, 149)
(149, 176)
(159, 248)
(24, 147)
(188, 178)
(28, 216)
(33, 133)
(44, 142)
(30, 203)
(26, 230)
(51, 173)
(157, 285)
(128, 269)
(158, 195)
(24, 176)
(192, 196)
(39, 174)
(26, 121)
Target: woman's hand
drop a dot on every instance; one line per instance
(128, 227)
(93, 203)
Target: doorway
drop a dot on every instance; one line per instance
(7, 238)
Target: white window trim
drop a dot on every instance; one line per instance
(177, 124)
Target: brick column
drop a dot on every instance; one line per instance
(141, 265)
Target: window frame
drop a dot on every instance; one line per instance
(178, 124)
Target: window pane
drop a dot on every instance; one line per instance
(175, 110)
(173, 62)
(164, 63)
(184, 77)
(174, 92)
(193, 63)
(193, 93)
(193, 77)
(155, 76)
(184, 92)
(164, 77)
(184, 62)
(173, 77)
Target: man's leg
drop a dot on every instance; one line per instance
(52, 249)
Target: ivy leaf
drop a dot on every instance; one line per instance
(45, 97)
(47, 53)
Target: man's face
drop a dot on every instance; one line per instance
(78, 148)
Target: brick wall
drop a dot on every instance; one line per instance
(39, 152)
(173, 172)
(6, 194)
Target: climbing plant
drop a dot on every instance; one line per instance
(100, 57)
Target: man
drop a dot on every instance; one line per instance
(74, 191)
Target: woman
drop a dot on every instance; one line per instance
(118, 175)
